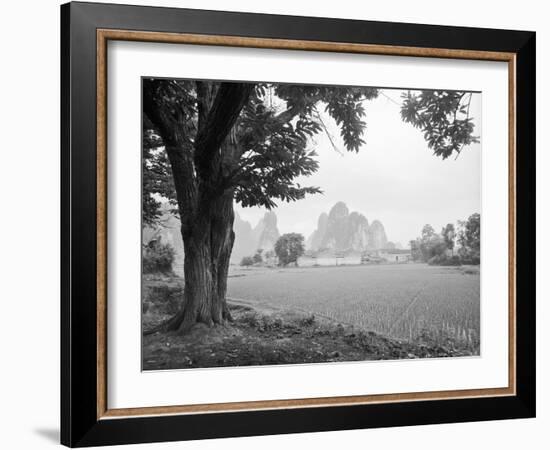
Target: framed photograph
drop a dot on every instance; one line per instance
(276, 224)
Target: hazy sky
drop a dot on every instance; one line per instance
(394, 177)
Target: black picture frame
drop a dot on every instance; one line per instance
(80, 425)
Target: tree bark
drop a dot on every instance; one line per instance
(208, 242)
(222, 239)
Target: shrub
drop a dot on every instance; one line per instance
(163, 299)
(247, 261)
(444, 260)
(472, 260)
(307, 321)
(257, 258)
(158, 257)
(166, 299)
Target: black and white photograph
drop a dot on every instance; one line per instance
(276, 225)
(298, 224)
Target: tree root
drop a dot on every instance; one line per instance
(226, 314)
(178, 323)
(171, 324)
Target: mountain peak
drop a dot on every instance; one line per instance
(341, 230)
(266, 232)
(270, 219)
(340, 209)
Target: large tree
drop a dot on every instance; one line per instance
(248, 142)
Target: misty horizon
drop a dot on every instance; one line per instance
(254, 222)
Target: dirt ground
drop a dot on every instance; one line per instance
(270, 336)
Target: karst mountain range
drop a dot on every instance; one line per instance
(338, 230)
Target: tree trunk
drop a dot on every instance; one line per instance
(208, 241)
(205, 202)
(222, 240)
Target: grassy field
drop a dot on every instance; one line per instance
(407, 301)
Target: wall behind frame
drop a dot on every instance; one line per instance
(30, 249)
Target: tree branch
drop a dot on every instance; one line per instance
(288, 114)
(204, 101)
(327, 132)
(214, 128)
(176, 144)
(467, 117)
(162, 121)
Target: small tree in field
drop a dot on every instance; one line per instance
(247, 261)
(289, 247)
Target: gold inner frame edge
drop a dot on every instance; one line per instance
(104, 35)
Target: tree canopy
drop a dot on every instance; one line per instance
(255, 138)
(443, 117)
(433, 248)
(157, 180)
(267, 145)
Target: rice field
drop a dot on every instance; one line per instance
(405, 301)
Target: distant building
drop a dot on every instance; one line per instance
(395, 255)
(353, 258)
